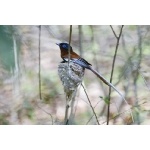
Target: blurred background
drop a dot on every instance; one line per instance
(19, 74)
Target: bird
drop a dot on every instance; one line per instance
(74, 57)
(77, 59)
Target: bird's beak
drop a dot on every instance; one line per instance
(57, 44)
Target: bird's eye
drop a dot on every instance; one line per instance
(64, 46)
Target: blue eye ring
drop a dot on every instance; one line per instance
(65, 46)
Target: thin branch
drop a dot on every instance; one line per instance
(90, 104)
(80, 40)
(70, 34)
(139, 44)
(40, 95)
(113, 32)
(93, 114)
(112, 71)
(66, 121)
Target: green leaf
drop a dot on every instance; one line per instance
(106, 100)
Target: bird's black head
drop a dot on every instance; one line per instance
(64, 46)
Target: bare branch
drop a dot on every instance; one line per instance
(40, 95)
(90, 104)
(93, 114)
(80, 40)
(113, 32)
(112, 71)
(70, 34)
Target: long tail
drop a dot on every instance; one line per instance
(82, 62)
(105, 81)
(109, 84)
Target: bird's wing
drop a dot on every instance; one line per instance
(82, 62)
